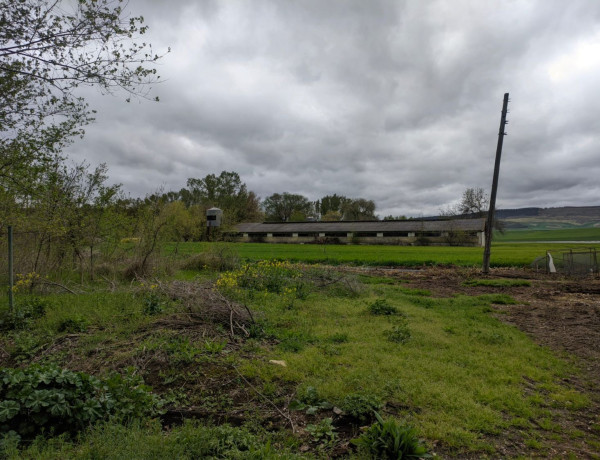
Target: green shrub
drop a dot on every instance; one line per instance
(22, 316)
(390, 440)
(73, 325)
(381, 307)
(48, 399)
(361, 407)
(153, 304)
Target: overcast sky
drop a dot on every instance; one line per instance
(394, 101)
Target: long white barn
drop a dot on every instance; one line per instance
(454, 232)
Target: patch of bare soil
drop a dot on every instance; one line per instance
(560, 313)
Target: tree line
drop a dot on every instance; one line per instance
(227, 192)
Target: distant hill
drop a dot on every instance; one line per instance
(551, 218)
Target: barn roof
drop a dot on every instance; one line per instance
(470, 225)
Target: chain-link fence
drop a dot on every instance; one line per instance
(31, 252)
(572, 262)
(580, 262)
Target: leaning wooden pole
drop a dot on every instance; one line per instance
(489, 227)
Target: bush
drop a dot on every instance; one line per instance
(48, 399)
(390, 440)
(381, 307)
(361, 407)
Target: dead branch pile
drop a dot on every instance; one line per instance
(204, 302)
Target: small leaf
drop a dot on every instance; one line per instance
(8, 409)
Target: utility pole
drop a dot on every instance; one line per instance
(489, 227)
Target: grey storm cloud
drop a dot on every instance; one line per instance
(395, 101)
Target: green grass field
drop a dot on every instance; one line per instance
(503, 254)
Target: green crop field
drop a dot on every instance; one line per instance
(571, 234)
(503, 254)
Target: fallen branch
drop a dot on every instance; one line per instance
(53, 283)
(287, 417)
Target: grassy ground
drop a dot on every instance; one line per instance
(503, 254)
(447, 365)
(459, 377)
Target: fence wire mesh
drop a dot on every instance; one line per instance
(571, 262)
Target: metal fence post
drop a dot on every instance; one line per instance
(11, 280)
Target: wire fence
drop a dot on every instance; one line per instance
(571, 262)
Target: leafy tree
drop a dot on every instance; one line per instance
(330, 206)
(331, 216)
(48, 49)
(359, 209)
(225, 191)
(333, 203)
(391, 217)
(182, 225)
(281, 207)
(70, 212)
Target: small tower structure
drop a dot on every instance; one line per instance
(214, 217)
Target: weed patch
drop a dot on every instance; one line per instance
(73, 325)
(388, 439)
(338, 337)
(400, 333)
(323, 433)
(361, 407)
(310, 402)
